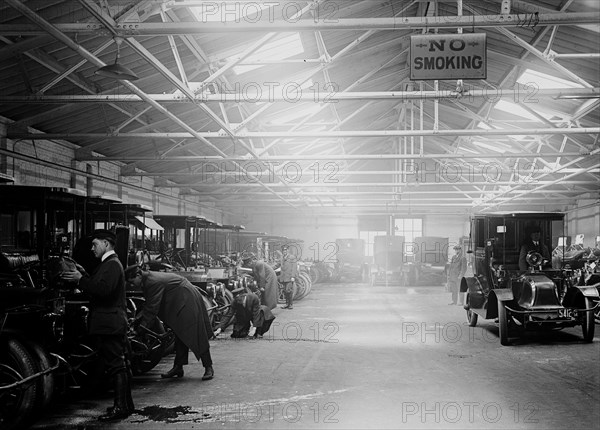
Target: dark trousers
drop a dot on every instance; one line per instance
(182, 351)
(454, 296)
(112, 350)
(288, 290)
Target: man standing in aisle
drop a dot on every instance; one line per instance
(108, 317)
(266, 278)
(456, 271)
(181, 306)
(288, 275)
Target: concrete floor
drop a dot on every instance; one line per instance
(352, 356)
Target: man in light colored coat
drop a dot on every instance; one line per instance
(456, 271)
(288, 275)
(266, 278)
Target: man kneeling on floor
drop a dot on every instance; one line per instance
(246, 309)
(181, 306)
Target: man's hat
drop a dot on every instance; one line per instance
(105, 235)
(247, 257)
(132, 271)
(457, 247)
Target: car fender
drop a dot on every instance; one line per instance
(589, 290)
(470, 284)
(476, 295)
(497, 294)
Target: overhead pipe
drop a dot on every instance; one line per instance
(203, 135)
(129, 29)
(269, 95)
(295, 158)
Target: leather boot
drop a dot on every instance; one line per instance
(121, 407)
(176, 371)
(209, 373)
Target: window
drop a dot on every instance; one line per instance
(545, 81)
(369, 238)
(410, 228)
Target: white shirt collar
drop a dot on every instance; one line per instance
(108, 254)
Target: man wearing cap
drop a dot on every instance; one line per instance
(181, 306)
(456, 270)
(534, 244)
(266, 278)
(108, 317)
(246, 309)
(288, 275)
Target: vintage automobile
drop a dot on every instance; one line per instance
(44, 347)
(540, 297)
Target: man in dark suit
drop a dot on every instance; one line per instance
(181, 306)
(533, 244)
(108, 317)
(246, 309)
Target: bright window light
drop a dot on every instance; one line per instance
(280, 49)
(292, 115)
(493, 147)
(516, 109)
(545, 82)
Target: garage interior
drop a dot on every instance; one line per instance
(309, 121)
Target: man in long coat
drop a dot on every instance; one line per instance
(108, 316)
(456, 271)
(288, 275)
(266, 278)
(246, 309)
(180, 305)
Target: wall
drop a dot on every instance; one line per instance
(50, 163)
(451, 226)
(317, 233)
(585, 219)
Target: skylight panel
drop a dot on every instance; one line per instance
(280, 49)
(292, 115)
(516, 109)
(545, 82)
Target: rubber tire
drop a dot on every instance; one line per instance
(588, 324)
(47, 382)
(22, 361)
(471, 316)
(503, 324)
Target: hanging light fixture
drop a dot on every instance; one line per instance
(115, 70)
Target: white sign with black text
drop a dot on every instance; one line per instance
(448, 56)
